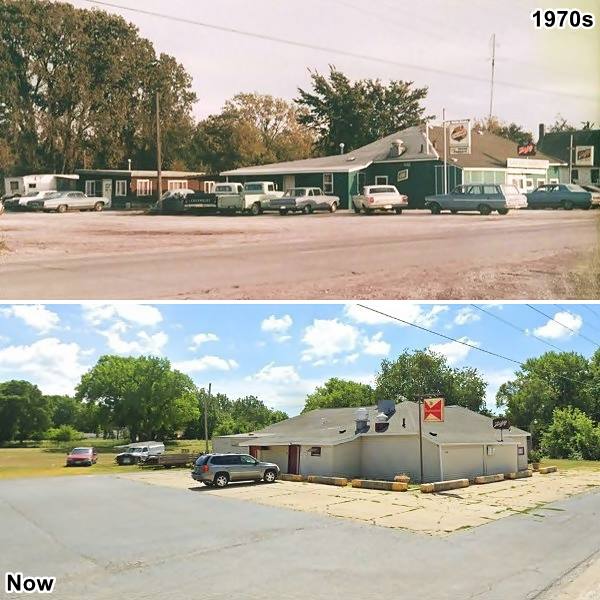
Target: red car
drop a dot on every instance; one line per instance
(82, 456)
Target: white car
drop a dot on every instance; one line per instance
(61, 202)
(379, 197)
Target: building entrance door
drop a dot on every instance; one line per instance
(294, 460)
(107, 188)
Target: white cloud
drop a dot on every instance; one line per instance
(326, 338)
(203, 338)
(418, 314)
(376, 345)
(454, 351)
(205, 363)
(283, 374)
(278, 326)
(555, 331)
(142, 315)
(466, 315)
(351, 358)
(55, 366)
(36, 316)
(143, 343)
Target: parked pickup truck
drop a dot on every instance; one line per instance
(254, 197)
(187, 201)
(379, 197)
(168, 460)
(139, 452)
(305, 200)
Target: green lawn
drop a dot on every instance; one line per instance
(48, 459)
(565, 464)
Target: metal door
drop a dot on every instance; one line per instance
(294, 460)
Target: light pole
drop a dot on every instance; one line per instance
(158, 150)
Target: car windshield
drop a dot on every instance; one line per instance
(80, 451)
(134, 450)
(54, 195)
(223, 188)
(296, 192)
(254, 187)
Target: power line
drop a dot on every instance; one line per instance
(523, 331)
(563, 325)
(568, 309)
(306, 45)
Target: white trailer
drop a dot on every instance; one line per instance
(19, 186)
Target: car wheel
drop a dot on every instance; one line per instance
(283, 211)
(398, 211)
(369, 211)
(255, 209)
(357, 210)
(221, 480)
(567, 204)
(333, 207)
(484, 209)
(503, 211)
(99, 206)
(62, 208)
(454, 211)
(435, 208)
(270, 476)
(307, 209)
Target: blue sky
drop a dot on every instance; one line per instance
(279, 352)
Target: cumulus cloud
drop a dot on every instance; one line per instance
(454, 352)
(466, 315)
(203, 338)
(376, 345)
(141, 343)
(565, 325)
(328, 338)
(36, 316)
(205, 363)
(55, 366)
(142, 315)
(271, 373)
(418, 314)
(278, 327)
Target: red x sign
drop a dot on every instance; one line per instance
(433, 409)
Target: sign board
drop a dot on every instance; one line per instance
(584, 156)
(526, 149)
(459, 136)
(433, 410)
(500, 423)
(402, 175)
(527, 163)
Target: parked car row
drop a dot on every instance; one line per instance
(53, 201)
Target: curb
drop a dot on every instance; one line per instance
(375, 484)
(546, 470)
(518, 474)
(442, 486)
(290, 477)
(489, 478)
(341, 481)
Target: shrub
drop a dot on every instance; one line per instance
(572, 434)
(64, 433)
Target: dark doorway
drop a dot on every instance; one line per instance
(254, 451)
(294, 460)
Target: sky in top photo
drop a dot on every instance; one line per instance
(443, 44)
(281, 352)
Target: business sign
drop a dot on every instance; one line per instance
(402, 175)
(433, 410)
(526, 149)
(584, 156)
(459, 136)
(500, 423)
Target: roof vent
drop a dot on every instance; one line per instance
(361, 416)
(397, 149)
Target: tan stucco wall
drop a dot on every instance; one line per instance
(346, 458)
(504, 459)
(277, 455)
(317, 465)
(462, 461)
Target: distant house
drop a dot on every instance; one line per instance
(138, 186)
(585, 159)
(412, 160)
(382, 441)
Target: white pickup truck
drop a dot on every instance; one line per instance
(379, 197)
(254, 197)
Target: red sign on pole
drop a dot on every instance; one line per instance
(433, 410)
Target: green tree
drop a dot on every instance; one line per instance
(510, 131)
(571, 434)
(24, 412)
(252, 129)
(339, 393)
(66, 410)
(553, 380)
(142, 393)
(64, 433)
(79, 88)
(423, 372)
(356, 113)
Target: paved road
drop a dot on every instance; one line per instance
(107, 538)
(341, 256)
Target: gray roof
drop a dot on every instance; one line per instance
(331, 426)
(413, 138)
(139, 173)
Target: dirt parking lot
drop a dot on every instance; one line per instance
(416, 255)
(434, 514)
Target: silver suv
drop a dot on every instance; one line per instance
(220, 469)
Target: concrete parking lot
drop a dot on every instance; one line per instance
(105, 537)
(525, 254)
(434, 514)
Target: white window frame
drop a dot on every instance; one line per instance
(91, 188)
(328, 185)
(176, 184)
(540, 181)
(209, 186)
(554, 180)
(378, 179)
(147, 184)
(121, 187)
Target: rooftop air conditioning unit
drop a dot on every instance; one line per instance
(361, 416)
(397, 148)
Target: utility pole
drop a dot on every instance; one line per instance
(206, 399)
(492, 82)
(158, 149)
(445, 153)
(420, 438)
(571, 159)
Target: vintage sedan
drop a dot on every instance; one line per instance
(61, 202)
(559, 195)
(482, 198)
(85, 457)
(305, 200)
(22, 202)
(594, 190)
(379, 197)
